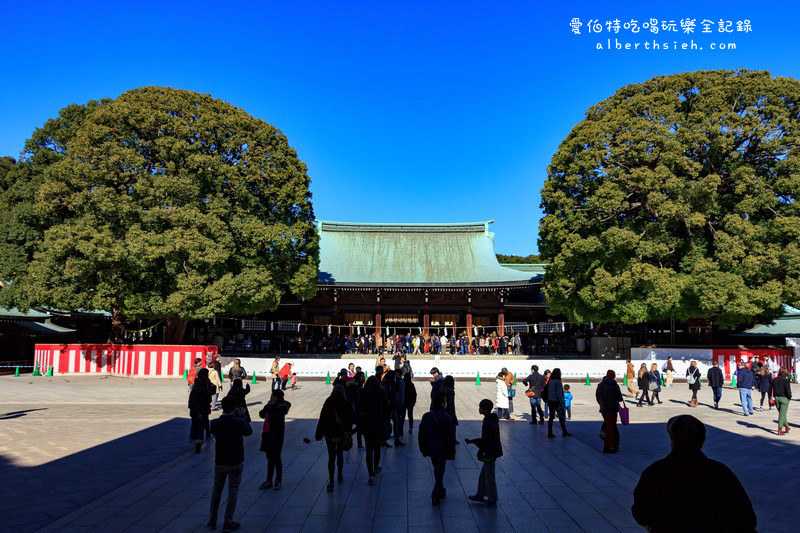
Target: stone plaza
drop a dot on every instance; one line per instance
(112, 454)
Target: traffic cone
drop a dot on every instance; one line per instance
(36, 370)
(478, 379)
(16, 372)
(625, 380)
(185, 373)
(254, 378)
(587, 380)
(328, 379)
(50, 372)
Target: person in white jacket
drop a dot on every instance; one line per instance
(502, 397)
(214, 378)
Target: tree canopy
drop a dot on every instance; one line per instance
(161, 203)
(676, 198)
(517, 259)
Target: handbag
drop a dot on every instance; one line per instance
(530, 393)
(653, 386)
(512, 392)
(772, 402)
(624, 414)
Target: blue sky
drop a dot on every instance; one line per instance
(403, 111)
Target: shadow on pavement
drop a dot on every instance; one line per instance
(17, 414)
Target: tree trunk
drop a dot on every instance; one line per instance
(174, 330)
(117, 325)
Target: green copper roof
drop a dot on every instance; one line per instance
(535, 268)
(412, 254)
(786, 326)
(12, 313)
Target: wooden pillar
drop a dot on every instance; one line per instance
(501, 324)
(426, 325)
(469, 326)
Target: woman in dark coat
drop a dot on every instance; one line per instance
(555, 401)
(643, 381)
(693, 378)
(335, 425)
(274, 415)
(449, 391)
(373, 408)
(200, 407)
(655, 377)
(409, 400)
(240, 392)
(764, 385)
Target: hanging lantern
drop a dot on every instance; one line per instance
(474, 331)
(272, 326)
(358, 330)
(298, 327)
(329, 329)
(445, 331)
(387, 331)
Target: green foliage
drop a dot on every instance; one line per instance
(517, 259)
(160, 203)
(676, 198)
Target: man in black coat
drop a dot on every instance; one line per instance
(715, 381)
(437, 440)
(725, 505)
(535, 383)
(228, 431)
(608, 396)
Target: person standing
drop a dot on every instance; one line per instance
(335, 425)
(510, 383)
(216, 381)
(228, 430)
(555, 400)
(772, 365)
(782, 392)
(643, 381)
(544, 393)
(191, 374)
(715, 381)
(655, 377)
(669, 370)
(396, 394)
(608, 396)
(502, 396)
(664, 485)
(237, 371)
(437, 380)
(764, 386)
(409, 400)
(535, 384)
(372, 409)
(239, 393)
(274, 429)
(449, 390)
(200, 408)
(693, 379)
(437, 440)
(630, 375)
(489, 450)
(274, 372)
(745, 382)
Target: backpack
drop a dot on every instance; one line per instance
(191, 375)
(691, 378)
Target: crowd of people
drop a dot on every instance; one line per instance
(369, 412)
(417, 344)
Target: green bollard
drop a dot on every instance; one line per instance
(625, 380)
(254, 378)
(186, 373)
(588, 383)
(328, 379)
(50, 372)
(16, 372)
(478, 379)
(36, 370)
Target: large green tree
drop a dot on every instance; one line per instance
(163, 203)
(676, 198)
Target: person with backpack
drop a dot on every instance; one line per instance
(336, 427)
(489, 450)
(669, 370)
(200, 407)
(272, 434)
(437, 440)
(191, 374)
(228, 430)
(693, 379)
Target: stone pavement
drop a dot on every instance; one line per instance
(112, 454)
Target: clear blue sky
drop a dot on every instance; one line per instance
(404, 111)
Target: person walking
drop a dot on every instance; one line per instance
(764, 385)
(664, 485)
(782, 392)
(745, 382)
(608, 396)
(502, 396)
(274, 372)
(191, 373)
(555, 400)
(228, 430)
(715, 381)
(630, 374)
(237, 371)
(200, 408)
(655, 377)
(693, 379)
(669, 370)
(396, 394)
(409, 400)
(272, 433)
(216, 381)
(535, 384)
(437, 380)
(372, 409)
(508, 377)
(335, 426)
(449, 390)
(489, 450)
(437, 440)
(643, 381)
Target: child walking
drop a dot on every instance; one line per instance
(489, 449)
(274, 415)
(568, 401)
